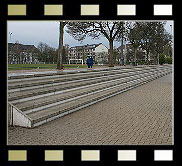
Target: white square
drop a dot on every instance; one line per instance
(162, 9)
(163, 155)
(126, 155)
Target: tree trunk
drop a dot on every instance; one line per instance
(157, 58)
(135, 56)
(111, 54)
(60, 48)
(147, 57)
(121, 58)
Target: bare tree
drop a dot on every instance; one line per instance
(109, 29)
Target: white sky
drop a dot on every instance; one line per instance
(33, 32)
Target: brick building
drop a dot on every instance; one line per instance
(22, 54)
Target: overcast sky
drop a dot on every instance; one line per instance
(33, 32)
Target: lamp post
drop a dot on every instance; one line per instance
(10, 33)
(125, 51)
(172, 39)
(171, 28)
(171, 32)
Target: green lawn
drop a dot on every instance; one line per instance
(41, 66)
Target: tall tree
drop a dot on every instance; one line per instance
(60, 48)
(147, 33)
(154, 37)
(134, 37)
(160, 39)
(109, 29)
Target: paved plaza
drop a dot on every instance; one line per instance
(141, 116)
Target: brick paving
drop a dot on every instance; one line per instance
(141, 116)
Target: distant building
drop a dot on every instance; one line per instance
(98, 51)
(22, 54)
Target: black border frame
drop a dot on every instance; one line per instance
(72, 154)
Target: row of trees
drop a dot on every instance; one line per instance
(150, 36)
(49, 54)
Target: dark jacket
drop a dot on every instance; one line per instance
(91, 61)
(88, 61)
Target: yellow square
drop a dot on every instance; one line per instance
(53, 10)
(17, 155)
(89, 10)
(53, 155)
(16, 10)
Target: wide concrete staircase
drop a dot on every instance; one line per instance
(37, 99)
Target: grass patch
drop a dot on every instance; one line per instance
(41, 66)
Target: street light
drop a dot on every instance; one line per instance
(171, 31)
(10, 33)
(171, 28)
(171, 38)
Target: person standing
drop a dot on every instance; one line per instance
(88, 62)
(91, 61)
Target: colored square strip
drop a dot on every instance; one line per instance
(90, 155)
(89, 10)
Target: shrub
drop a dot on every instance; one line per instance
(168, 60)
(161, 59)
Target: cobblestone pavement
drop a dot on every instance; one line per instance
(140, 116)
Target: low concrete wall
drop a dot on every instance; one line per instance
(17, 117)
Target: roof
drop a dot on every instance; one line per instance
(88, 46)
(21, 47)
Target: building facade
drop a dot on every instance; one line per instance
(22, 54)
(98, 51)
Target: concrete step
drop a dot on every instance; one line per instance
(40, 75)
(79, 90)
(39, 105)
(61, 80)
(48, 114)
(27, 82)
(20, 83)
(45, 100)
(43, 89)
